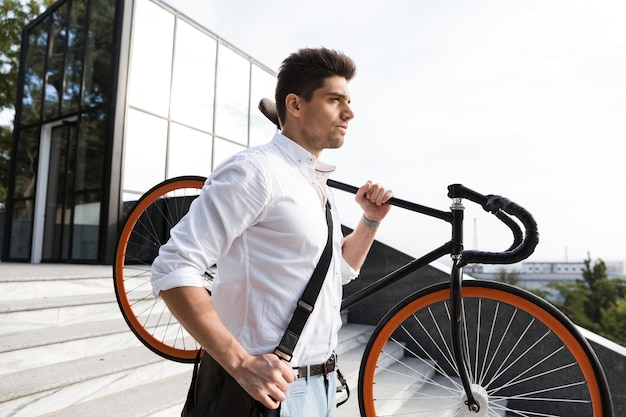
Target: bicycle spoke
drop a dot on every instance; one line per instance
(516, 352)
(146, 229)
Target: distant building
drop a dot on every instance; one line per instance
(115, 96)
(537, 275)
(551, 268)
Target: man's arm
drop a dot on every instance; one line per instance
(372, 198)
(264, 377)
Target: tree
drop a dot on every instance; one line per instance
(595, 301)
(601, 294)
(614, 322)
(14, 15)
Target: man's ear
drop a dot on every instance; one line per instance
(292, 104)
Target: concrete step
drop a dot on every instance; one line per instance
(33, 288)
(159, 398)
(30, 281)
(162, 398)
(65, 350)
(397, 384)
(40, 347)
(29, 314)
(41, 390)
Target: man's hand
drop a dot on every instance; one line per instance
(266, 378)
(372, 198)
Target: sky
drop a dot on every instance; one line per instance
(525, 99)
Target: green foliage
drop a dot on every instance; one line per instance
(595, 301)
(5, 147)
(614, 321)
(14, 15)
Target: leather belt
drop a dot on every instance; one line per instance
(320, 369)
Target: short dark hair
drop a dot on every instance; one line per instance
(305, 71)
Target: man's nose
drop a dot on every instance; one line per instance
(347, 113)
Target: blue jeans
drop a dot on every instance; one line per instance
(309, 397)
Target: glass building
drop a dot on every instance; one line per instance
(115, 96)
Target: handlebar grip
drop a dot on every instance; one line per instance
(502, 208)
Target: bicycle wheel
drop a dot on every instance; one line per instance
(525, 358)
(145, 230)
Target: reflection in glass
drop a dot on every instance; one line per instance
(74, 59)
(189, 152)
(99, 52)
(194, 77)
(232, 96)
(21, 230)
(24, 193)
(151, 66)
(262, 86)
(90, 157)
(34, 73)
(60, 192)
(144, 151)
(56, 62)
(26, 162)
(88, 196)
(85, 226)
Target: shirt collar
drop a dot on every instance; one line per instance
(301, 156)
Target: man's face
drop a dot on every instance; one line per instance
(325, 118)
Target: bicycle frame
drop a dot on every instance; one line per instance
(521, 248)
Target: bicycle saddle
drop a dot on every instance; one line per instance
(268, 108)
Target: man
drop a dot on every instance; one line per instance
(261, 219)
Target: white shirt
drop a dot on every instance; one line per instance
(261, 218)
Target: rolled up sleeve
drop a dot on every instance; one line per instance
(182, 277)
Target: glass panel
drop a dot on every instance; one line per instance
(224, 149)
(189, 152)
(151, 60)
(144, 151)
(88, 187)
(263, 86)
(74, 62)
(90, 155)
(26, 162)
(56, 62)
(21, 229)
(99, 50)
(34, 73)
(232, 98)
(60, 193)
(194, 77)
(85, 227)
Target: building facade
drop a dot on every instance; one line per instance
(115, 96)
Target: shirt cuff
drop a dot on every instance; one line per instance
(181, 277)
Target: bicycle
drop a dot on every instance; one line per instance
(482, 348)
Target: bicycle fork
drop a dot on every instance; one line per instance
(461, 356)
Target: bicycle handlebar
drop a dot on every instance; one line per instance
(523, 245)
(501, 207)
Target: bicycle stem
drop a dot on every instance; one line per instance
(459, 349)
